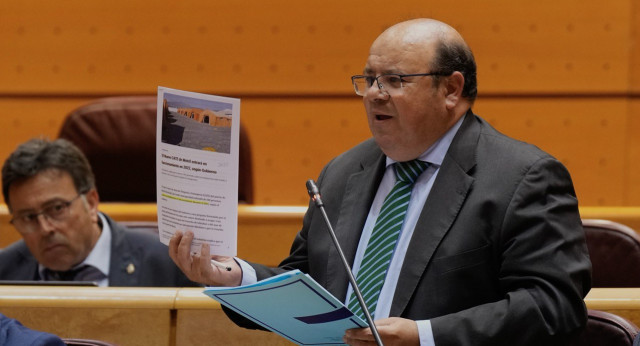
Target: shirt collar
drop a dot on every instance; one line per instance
(100, 256)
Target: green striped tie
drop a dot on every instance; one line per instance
(384, 236)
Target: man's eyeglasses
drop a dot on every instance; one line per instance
(55, 213)
(389, 83)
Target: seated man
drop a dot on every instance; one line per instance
(50, 191)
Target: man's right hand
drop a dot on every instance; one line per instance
(197, 267)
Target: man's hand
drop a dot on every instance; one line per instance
(393, 331)
(197, 267)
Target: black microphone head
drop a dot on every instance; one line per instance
(314, 193)
(312, 188)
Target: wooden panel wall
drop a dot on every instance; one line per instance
(562, 75)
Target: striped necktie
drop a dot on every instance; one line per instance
(377, 255)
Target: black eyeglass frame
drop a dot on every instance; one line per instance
(381, 86)
(45, 212)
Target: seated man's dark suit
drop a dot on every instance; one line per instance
(498, 255)
(150, 259)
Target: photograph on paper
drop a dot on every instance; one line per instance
(197, 168)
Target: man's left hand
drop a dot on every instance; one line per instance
(393, 331)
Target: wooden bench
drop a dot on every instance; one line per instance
(265, 233)
(124, 316)
(179, 316)
(128, 316)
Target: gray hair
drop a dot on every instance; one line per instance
(38, 155)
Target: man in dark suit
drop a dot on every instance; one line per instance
(50, 191)
(491, 249)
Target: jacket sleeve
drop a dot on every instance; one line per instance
(544, 270)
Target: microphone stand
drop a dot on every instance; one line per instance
(314, 193)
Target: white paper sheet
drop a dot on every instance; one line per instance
(197, 168)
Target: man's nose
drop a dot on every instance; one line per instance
(376, 92)
(45, 223)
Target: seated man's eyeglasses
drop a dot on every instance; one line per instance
(390, 84)
(55, 213)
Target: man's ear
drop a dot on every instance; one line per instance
(93, 199)
(454, 85)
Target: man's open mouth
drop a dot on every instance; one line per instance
(382, 117)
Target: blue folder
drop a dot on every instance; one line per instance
(292, 305)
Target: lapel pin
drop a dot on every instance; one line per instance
(131, 268)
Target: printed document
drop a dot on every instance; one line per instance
(197, 168)
(292, 305)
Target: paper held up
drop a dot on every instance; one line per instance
(197, 150)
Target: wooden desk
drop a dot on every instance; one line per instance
(179, 316)
(129, 316)
(624, 302)
(201, 318)
(124, 316)
(629, 216)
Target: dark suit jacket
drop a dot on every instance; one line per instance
(498, 256)
(149, 257)
(13, 333)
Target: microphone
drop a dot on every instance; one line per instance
(314, 193)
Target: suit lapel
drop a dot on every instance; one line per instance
(123, 269)
(440, 210)
(27, 264)
(359, 192)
